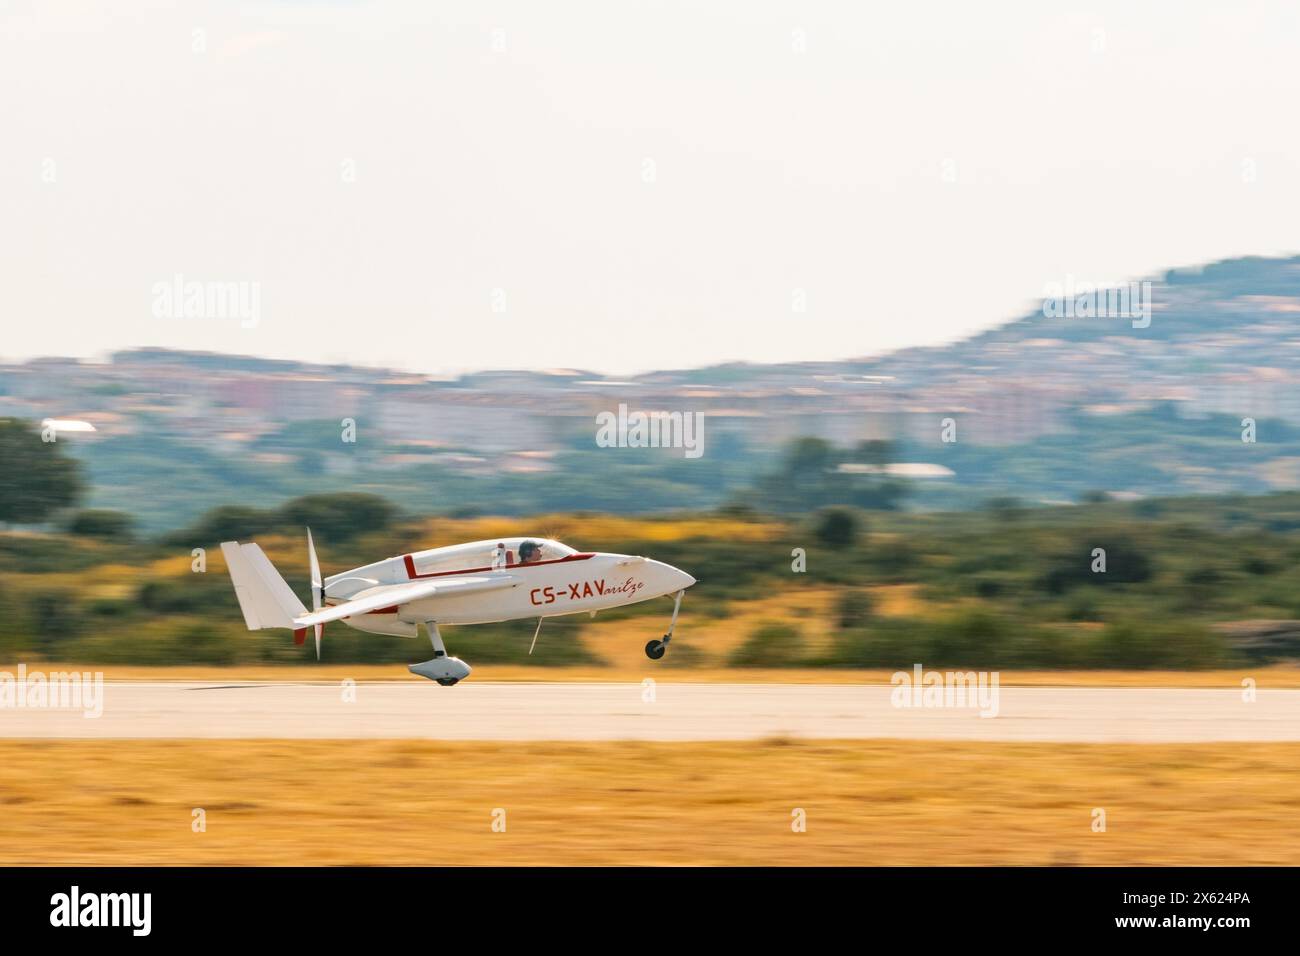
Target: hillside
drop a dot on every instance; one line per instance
(1044, 409)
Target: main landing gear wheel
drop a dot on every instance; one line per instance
(655, 650)
(446, 671)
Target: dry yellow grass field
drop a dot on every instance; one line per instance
(867, 802)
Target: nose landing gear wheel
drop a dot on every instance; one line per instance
(449, 681)
(655, 650)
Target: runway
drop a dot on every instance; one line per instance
(662, 712)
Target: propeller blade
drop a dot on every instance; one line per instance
(316, 588)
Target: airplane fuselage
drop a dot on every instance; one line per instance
(479, 582)
(567, 584)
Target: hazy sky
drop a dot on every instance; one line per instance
(918, 170)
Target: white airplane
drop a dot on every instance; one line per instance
(481, 582)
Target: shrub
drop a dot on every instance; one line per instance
(770, 645)
(226, 523)
(886, 642)
(969, 638)
(102, 523)
(338, 517)
(1126, 563)
(193, 594)
(1146, 644)
(853, 609)
(836, 528)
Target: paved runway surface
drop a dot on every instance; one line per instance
(610, 711)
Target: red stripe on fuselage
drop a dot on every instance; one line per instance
(410, 573)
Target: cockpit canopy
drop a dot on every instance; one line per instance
(479, 555)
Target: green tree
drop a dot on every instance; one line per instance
(813, 473)
(338, 517)
(836, 528)
(102, 523)
(810, 459)
(36, 477)
(225, 523)
(1126, 563)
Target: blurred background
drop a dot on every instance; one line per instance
(459, 233)
(1071, 435)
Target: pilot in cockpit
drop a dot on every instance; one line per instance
(530, 552)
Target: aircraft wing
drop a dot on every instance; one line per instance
(397, 594)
